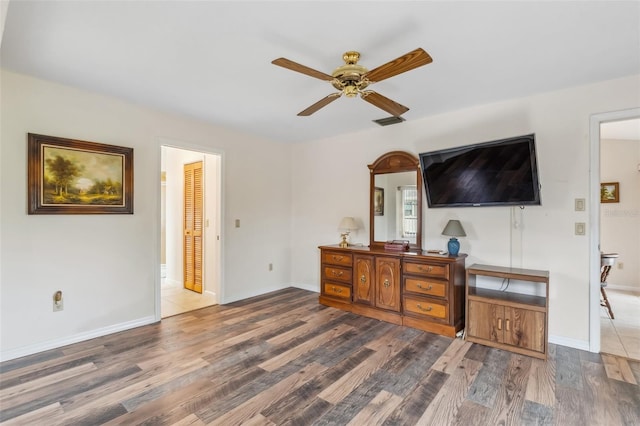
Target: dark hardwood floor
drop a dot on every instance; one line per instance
(283, 359)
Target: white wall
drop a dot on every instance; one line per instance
(289, 200)
(620, 222)
(330, 180)
(108, 265)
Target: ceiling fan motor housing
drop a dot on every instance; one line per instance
(348, 77)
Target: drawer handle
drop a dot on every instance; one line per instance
(337, 258)
(386, 283)
(363, 279)
(428, 288)
(428, 268)
(506, 323)
(427, 309)
(337, 273)
(499, 323)
(336, 289)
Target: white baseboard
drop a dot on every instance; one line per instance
(624, 288)
(174, 283)
(309, 287)
(58, 343)
(242, 296)
(572, 343)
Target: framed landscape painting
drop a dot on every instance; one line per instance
(610, 192)
(67, 176)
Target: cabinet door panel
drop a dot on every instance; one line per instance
(524, 328)
(363, 282)
(486, 321)
(388, 283)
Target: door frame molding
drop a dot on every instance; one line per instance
(594, 217)
(178, 144)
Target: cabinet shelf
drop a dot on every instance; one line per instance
(532, 275)
(508, 298)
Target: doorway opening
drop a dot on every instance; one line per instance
(606, 219)
(189, 249)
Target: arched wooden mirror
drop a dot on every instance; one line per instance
(396, 200)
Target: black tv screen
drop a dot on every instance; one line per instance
(500, 172)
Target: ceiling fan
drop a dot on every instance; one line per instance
(352, 79)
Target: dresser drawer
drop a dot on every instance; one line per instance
(337, 258)
(426, 287)
(428, 270)
(337, 290)
(335, 273)
(426, 307)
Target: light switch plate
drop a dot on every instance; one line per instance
(579, 203)
(581, 228)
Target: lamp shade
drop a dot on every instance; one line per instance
(454, 229)
(348, 224)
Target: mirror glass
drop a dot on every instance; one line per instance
(395, 207)
(396, 200)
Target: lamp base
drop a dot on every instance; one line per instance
(453, 246)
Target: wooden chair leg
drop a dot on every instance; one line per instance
(605, 302)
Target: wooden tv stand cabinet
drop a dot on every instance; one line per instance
(423, 291)
(507, 320)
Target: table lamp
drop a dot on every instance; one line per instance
(454, 229)
(347, 224)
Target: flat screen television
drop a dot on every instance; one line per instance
(497, 173)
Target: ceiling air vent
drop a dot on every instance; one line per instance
(389, 121)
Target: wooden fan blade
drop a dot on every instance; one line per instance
(321, 103)
(411, 60)
(294, 66)
(382, 102)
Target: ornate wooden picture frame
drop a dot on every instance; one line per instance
(67, 176)
(610, 192)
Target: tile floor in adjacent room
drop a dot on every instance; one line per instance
(176, 299)
(621, 336)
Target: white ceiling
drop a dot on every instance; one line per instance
(211, 60)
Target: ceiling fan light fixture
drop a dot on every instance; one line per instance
(351, 91)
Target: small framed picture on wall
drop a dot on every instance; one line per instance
(378, 202)
(610, 192)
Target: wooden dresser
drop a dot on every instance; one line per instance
(424, 291)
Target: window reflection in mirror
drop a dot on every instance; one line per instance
(399, 218)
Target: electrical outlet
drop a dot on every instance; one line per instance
(580, 204)
(620, 265)
(58, 302)
(580, 228)
(271, 267)
(237, 223)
